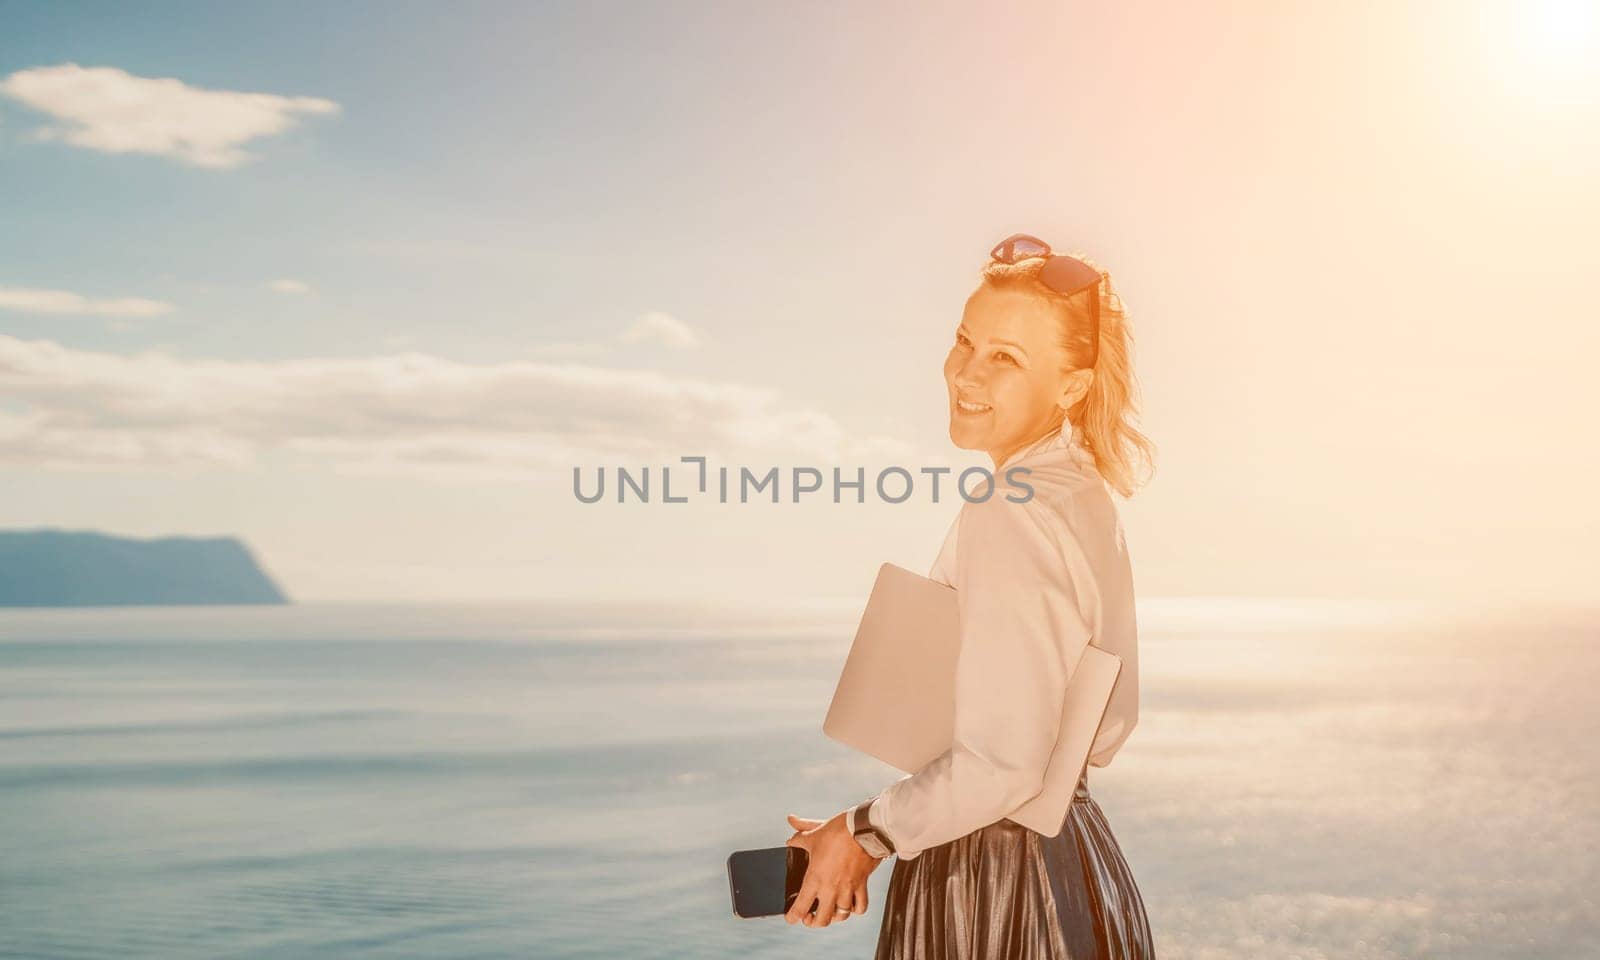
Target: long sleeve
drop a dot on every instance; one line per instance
(1023, 627)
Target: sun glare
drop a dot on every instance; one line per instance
(1561, 30)
(1546, 49)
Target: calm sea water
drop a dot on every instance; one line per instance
(490, 782)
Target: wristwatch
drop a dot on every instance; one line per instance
(872, 840)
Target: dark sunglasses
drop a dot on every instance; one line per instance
(1063, 274)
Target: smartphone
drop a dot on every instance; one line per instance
(765, 882)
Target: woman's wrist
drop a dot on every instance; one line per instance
(853, 818)
(868, 836)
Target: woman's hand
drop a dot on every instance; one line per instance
(836, 876)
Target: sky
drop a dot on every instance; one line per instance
(363, 284)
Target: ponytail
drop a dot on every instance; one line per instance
(1105, 415)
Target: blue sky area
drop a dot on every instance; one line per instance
(361, 283)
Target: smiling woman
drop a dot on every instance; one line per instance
(1038, 377)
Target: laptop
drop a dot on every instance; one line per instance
(895, 699)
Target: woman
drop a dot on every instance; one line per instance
(1039, 377)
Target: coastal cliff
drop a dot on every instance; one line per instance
(68, 568)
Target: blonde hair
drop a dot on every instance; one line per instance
(1104, 417)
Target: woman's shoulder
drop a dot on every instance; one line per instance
(1068, 514)
(1046, 544)
(1067, 467)
(1060, 489)
(1045, 514)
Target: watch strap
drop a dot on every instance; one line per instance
(864, 828)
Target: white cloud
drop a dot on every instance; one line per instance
(290, 286)
(88, 408)
(571, 349)
(652, 327)
(27, 300)
(660, 327)
(113, 111)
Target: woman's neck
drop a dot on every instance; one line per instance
(1000, 458)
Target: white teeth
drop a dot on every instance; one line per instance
(971, 407)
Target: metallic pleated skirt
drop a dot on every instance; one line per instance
(1004, 892)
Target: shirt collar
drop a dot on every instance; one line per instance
(1058, 439)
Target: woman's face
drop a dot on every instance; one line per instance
(1004, 373)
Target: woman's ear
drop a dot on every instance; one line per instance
(1075, 387)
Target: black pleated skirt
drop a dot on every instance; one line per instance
(1004, 892)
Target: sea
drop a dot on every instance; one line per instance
(1308, 780)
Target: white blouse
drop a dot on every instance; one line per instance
(1036, 582)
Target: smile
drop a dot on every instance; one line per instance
(966, 407)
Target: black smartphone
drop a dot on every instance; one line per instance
(765, 882)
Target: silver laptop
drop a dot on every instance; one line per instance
(896, 695)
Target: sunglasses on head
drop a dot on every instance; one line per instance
(1063, 274)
